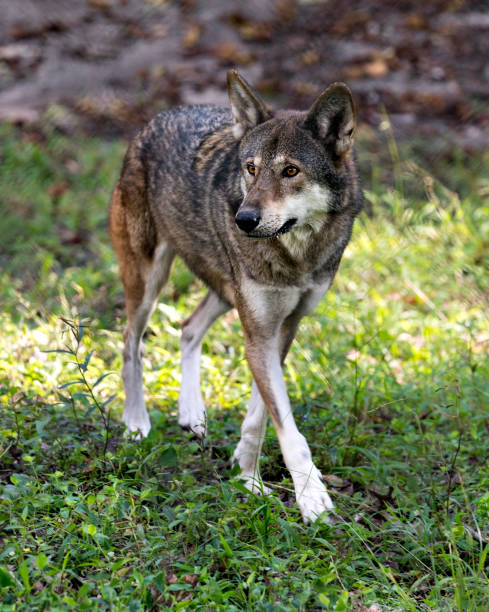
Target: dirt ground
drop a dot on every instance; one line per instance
(109, 65)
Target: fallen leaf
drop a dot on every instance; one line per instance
(191, 579)
(230, 53)
(171, 578)
(56, 190)
(377, 68)
(192, 35)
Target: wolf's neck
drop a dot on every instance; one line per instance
(298, 242)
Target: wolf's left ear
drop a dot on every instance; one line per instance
(248, 108)
(332, 119)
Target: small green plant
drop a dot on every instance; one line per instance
(85, 390)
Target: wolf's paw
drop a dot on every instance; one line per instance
(255, 485)
(191, 414)
(136, 427)
(313, 499)
(198, 429)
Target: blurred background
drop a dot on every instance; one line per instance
(109, 65)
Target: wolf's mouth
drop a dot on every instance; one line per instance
(286, 227)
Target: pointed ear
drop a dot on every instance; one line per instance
(248, 108)
(331, 119)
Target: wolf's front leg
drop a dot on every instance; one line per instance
(263, 355)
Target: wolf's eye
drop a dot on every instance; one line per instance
(251, 168)
(289, 171)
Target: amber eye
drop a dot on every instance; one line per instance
(251, 168)
(290, 171)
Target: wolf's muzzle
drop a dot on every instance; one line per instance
(247, 220)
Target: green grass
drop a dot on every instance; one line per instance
(388, 379)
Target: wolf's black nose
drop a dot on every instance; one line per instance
(247, 220)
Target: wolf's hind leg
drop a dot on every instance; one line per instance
(191, 406)
(142, 286)
(247, 453)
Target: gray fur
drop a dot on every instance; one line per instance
(185, 178)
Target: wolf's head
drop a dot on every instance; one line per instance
(293, 163)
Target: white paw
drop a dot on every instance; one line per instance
(312, 498)
(255, 485)
(198, 429)
(137, 427)
(192, 416)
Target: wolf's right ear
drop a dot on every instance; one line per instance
(332, 119)
(248, 108)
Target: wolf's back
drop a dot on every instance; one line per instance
(178, 184)
(171, 139)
